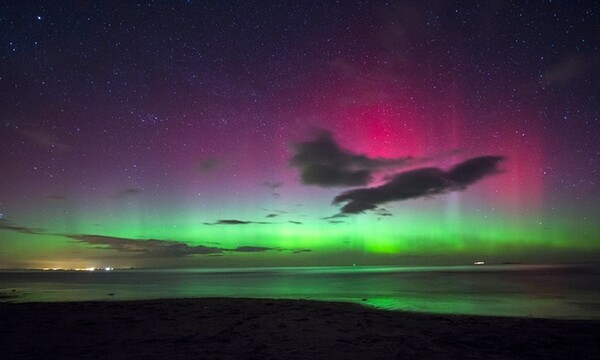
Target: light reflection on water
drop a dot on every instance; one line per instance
(557, 291)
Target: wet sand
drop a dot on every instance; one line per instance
(278, 329)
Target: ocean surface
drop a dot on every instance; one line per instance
(547, 291)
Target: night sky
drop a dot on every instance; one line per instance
(258, 133)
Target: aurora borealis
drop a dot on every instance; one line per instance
(220, 134)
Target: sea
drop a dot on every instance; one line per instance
(541, 291)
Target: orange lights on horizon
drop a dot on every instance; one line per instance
(79, 269)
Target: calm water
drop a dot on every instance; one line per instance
(557, 291)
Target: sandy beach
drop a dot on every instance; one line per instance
(224, 328)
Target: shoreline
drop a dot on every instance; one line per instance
(17, 299)
(267, 328)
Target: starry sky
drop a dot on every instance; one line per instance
(258, 133)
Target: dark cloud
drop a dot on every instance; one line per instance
(473, 170)
(273, 185)
(208, 165)
(127, 193)
(164, 248)
(418, 183)
(146, 248)
(7, 225)
(236, 222)
(272, 215)
(336, 216)
(383, 212)
(274, 211)
(295, 222)
(323, 163)
(299, 251)
(252, 249)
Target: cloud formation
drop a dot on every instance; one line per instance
(383, 212)
(236, 222)
(146, 248)
(252, 249)
(336, 222)
(274, 186)
(208, 165)
(165, 248)
(300, 251)
(323, 162)
(422, 182)
(7, 225)
(127, 193)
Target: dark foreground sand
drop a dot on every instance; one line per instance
(277, 329)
